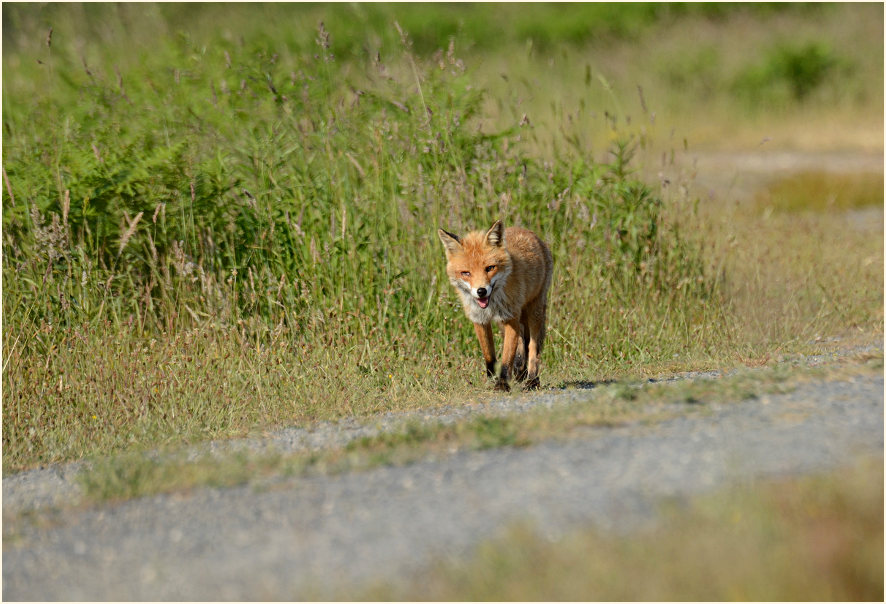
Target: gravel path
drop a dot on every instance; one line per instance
(320, 533)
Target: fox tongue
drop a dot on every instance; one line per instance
(483, 302)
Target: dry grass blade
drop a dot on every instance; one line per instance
(129, 232)
(8, 187)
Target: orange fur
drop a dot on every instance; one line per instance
(503, 276)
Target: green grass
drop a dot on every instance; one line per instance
(813, 538)
(213, 226)
(823, 192)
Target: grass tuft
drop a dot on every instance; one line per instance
(823, 192)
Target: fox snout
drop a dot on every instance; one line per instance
(481, 295)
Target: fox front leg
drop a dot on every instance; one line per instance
(487, 345)
(509, 351)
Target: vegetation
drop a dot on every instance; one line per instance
(213, 226)
(816, 192)
(130, 475)
(816, 538)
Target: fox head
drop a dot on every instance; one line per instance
(477, 265)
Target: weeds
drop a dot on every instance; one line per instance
(790, 73)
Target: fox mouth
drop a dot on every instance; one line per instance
(483, 302)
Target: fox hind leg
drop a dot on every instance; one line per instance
(522, 355)
(537, 314)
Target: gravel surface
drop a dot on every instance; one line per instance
(56, 485)
(305, 536)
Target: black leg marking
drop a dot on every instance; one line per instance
(520, 369)
(490, 369)
(501, 384)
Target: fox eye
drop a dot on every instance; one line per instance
(490, 268)
(465, 274)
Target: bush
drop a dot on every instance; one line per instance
(789, 72)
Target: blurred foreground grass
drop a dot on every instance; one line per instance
(814, 538)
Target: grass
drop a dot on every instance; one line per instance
(822, 192)
(813, 538)
(799, 267)
(135, 474)
(208, 233)
(735, 72)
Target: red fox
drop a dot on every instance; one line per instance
(503, 275)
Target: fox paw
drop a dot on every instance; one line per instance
(502, 386)
(520, 373)
(532, 384)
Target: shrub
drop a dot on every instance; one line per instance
(792, 72)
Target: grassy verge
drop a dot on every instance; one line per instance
(130, 475)
(209, 232)
(816, 538)
(804, 261)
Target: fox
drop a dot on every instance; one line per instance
(503, 276)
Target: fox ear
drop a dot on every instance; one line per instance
(451, 242)
(496, 235)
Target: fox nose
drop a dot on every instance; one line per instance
(481, 292)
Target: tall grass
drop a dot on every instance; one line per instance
(263, 190)
(288, 200)
(226, 225)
